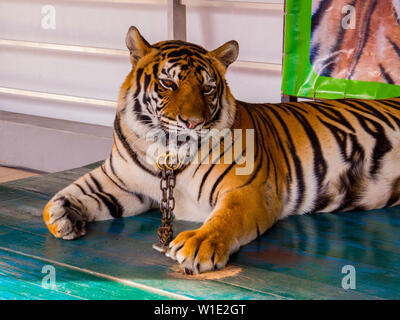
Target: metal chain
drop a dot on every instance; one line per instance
(167, 203)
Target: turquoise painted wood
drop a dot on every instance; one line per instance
(22, 277)
(299, 258)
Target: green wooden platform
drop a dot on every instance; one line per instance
(300, 258)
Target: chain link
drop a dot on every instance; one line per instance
(167, 184)
(167, 203)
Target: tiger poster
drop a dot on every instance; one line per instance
(346, 49)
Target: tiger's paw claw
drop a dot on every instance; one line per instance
(198, 251)
(65, 218)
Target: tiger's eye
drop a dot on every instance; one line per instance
(168, 84)
(208, 89)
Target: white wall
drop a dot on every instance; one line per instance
(101, 24)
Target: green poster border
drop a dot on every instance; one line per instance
(298, 77)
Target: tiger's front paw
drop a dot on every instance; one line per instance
(65, 217)
(199, 251)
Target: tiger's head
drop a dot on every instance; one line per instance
(177, 86)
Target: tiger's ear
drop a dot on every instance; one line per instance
(137, 45)
(227, 53)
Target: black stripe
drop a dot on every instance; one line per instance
(392, 116)
(177, 44)
(92, 192)
(329, 62)
(211, 167)
(139, 74)
(116, 147)
(395, 47)
(184, 52)
(392, 104)
(146, 83)
(130, 151)
(327, 109)
(254, 172)
(395, 119)
(278, 142)
(255, 128)
(396, 16)
(210, 151)
(351, 180)
(155, 70)
(80, 188)
(395, 195)
(143, 118)
(382, 144)
(95, 199)
(385, 75)
(371, 110)
(320, 166)
(111, 162)
(114, 207)
(296, 162)
(259, 132)
(341, 138)
(96, 182)
(319, 13)
(366, 33)
(140, 198)
(90, 186)
(221, 177)
(321, 202)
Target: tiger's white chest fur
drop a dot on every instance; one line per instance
(185, 192)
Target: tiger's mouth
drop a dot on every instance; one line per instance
(183, 143)
(167, 133)
(183, 134)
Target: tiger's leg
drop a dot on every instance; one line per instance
(238, 218)
(98, 195)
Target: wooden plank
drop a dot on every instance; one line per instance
(142, 266)
(279, 285)
(251, 276)
(111, 249)
(300, 258)
(7, 174)
(22, 276)
(48, 184)
(16, 289)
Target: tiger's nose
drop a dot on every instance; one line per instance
(190, 123)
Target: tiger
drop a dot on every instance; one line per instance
(303, 157)
(356, 39)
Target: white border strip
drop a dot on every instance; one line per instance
(151, 2)
(104, 276)
(129, 1)
(58, 97)
(63, 47)
(234, 4)
(257, 65)
(119, 52)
